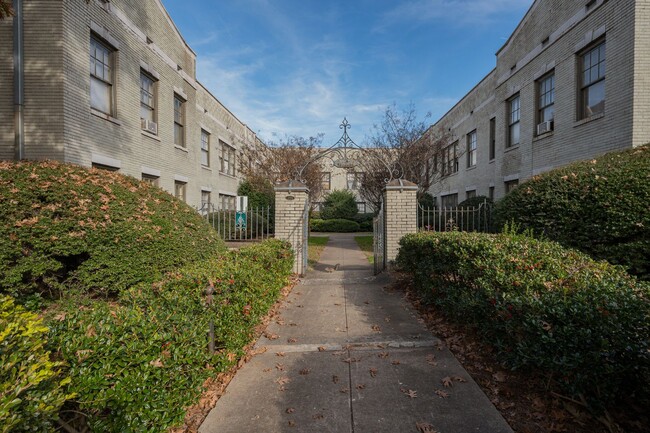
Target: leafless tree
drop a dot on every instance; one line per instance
(283, 160)
(405, 144)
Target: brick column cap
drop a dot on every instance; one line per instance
(401, 184)
(291, 185)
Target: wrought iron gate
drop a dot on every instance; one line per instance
(305, 237)
(379, 240)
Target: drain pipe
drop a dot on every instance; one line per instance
(19, 82)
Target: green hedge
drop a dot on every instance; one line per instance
(64, 226)
(32, 386)
(339, 204)
(544, 307)
(600, 207)
(136, 364)
(334, 226)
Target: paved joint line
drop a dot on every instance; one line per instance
(369, 345)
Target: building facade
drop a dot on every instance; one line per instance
(571, 83)
(112, 84)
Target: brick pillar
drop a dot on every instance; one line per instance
(291, 198)
(400, 213)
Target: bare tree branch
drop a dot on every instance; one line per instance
(6, 9)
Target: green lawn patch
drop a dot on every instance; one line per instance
(365, 243)
(316, 246)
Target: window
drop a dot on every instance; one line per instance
(361, 206)
(546, 99)
(449, 201)
(491, 193)
(513, 120)
(179, 121)
(102, 61)
(511, 184)
(104, 167)
(227, 159)
(228, 202)
(179, 190)
(592, 82)
(450, 159)
(147, 102)
(493, 138)
(470, 194)
(353, 180)
(471, 149)
(326, 181)
(206, 200)
(153, 180)
(205, 148)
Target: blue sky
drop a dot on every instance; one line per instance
(290, 67)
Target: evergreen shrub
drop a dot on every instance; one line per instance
(137, 363)
(334, 226)
(32, 386)
(544, 307)
(63, 227)
(339, 205)
(600, 207)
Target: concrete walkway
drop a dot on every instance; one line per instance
(349, 356)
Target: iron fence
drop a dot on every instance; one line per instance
(252, 224)
(469, 219)
(379, 241)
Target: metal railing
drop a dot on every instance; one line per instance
(252, 224)
(469, 219)
(379, 241)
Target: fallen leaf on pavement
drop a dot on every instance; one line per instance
(442, 393)
(361, 386)
(499, 376)
(396, 362)
(291, 340)
(373, 372)
(335, 379)
(305, 371)
(425, 428)
(321, 348)
(376, 328)
(412, 394)
(290, 410)
(447, 382)
(279, 353)
(383, 355)
(279, 366)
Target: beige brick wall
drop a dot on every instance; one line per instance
(290, 200)
(60, 123)
(570, 27)
(400, 215)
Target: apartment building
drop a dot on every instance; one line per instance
(571, 83)
(112, 84)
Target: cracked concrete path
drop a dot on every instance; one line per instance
(348, 355)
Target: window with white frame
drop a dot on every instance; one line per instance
(471, 149)
(546, 98)
(151, 179)
(592, 81)
(102, 66)
(450, 159)
(180, 190)
(179, 121)
(205, 148)
(228, 202)
(227, 159)
(148, 102)
(493, 138)
(353, 180)
(206, 199)
(326, 181)
(514, 117)
(470, 194)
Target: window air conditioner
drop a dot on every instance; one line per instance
(545, 127)
(149, 126)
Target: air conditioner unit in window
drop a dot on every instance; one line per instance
(545, 127)
(149, 126)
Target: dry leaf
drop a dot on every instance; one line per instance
(292, 423)
(425, 428)
(305, 371)
(271, 336)
(290, 410)
(412, 394)
(279, 366)
(459, 379)
(361, 386)
(373, 372)
(442, 393)
(291, 340)
(396, 362)
(283, 380)
(157, 363)
(500, 376)
(321, 348)
(447, 382)
(376, 328)
(344, 390)
(335, 379)
(279, 353)
(384, 355)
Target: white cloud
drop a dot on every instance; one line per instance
(460, 12)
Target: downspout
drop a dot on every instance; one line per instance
(19, 82)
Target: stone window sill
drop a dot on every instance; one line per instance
(184, 149)
(510, 149)
(589, 119)
(150, 135)
(104, 116)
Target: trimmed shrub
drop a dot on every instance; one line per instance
(32, 387)
(544, 307)
(599, 207)
(339, 205)
(64, 226)
(365, 221)
(137, 363)
(260, 193)
(477, 201)
(334, 226)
